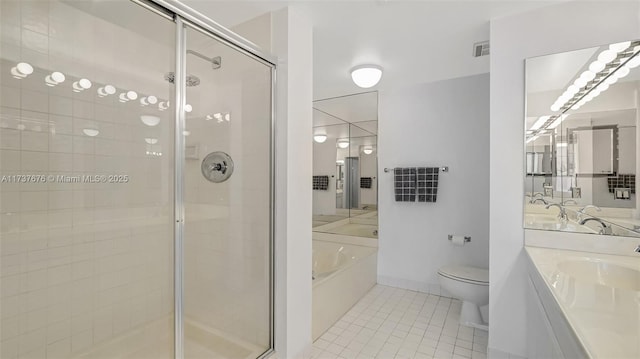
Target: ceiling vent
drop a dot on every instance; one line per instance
(481, 49)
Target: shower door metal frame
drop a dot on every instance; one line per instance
(184, 16)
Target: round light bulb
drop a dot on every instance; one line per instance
(588, 75)
(634, 62)
(607, 56)
(620, 46)
(109, 90)
(622, 72)
(343, 143)
(320, 138)
(580, 82)
(188, 108)
(597, 66)
(24, 68)
(573, 89)
(366, 76)
(611, 80)
(152, 100)
(555, 107)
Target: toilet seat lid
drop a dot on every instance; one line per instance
(469, 274)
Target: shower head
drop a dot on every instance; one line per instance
(191, 79)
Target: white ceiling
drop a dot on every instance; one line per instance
(414, 41)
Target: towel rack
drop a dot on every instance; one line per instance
(442, 169)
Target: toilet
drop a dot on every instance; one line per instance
(471, 286)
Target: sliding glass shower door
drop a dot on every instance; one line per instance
(136, 184)
(227, 201)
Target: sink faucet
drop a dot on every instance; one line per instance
(539, 199)
(604, 230)
(563, 214)
(582, 211)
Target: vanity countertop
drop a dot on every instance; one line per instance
(599, 296)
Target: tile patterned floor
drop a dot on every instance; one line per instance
(392, 323)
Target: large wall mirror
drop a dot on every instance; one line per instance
(581, 140)
(345, 165)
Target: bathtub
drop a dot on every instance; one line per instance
(342, 274)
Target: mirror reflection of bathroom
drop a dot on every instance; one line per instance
(581, 140)
(345, 186)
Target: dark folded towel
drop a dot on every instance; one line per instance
(365, 182)
(321, 183)
(405, 184)
(427, 184)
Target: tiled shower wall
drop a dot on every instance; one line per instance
(81, 263)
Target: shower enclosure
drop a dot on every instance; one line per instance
(136, 183)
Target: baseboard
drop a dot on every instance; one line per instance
(493, 353)
(430, 288)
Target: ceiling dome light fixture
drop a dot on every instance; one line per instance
(368, 150)
(343, 143)
(320, 138)
(366, 76)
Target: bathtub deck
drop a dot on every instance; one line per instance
(393, 323)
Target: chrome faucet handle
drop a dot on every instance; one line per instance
(563, 213)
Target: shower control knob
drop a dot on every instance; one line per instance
(217, 167)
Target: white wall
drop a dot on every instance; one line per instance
(569, 26)
(324, 164)
(437, 124)
(292, 43)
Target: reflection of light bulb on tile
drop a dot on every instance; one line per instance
(55, 78)
(208, 117)
(186, 132)
(106, 90)
(148, 100)
(21, 70)
(81, 85)
(227, 117)
(163, 105)
(128, 96)
(188, 108)
(91, 132)
(151, 140)
(218, 117)
(150, 120)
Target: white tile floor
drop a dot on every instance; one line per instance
(391, 323)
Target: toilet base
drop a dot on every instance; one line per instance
(470, 316)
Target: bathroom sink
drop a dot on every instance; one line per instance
(602, 273)
(551, 222)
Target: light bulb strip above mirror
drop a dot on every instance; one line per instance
(612, 64)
